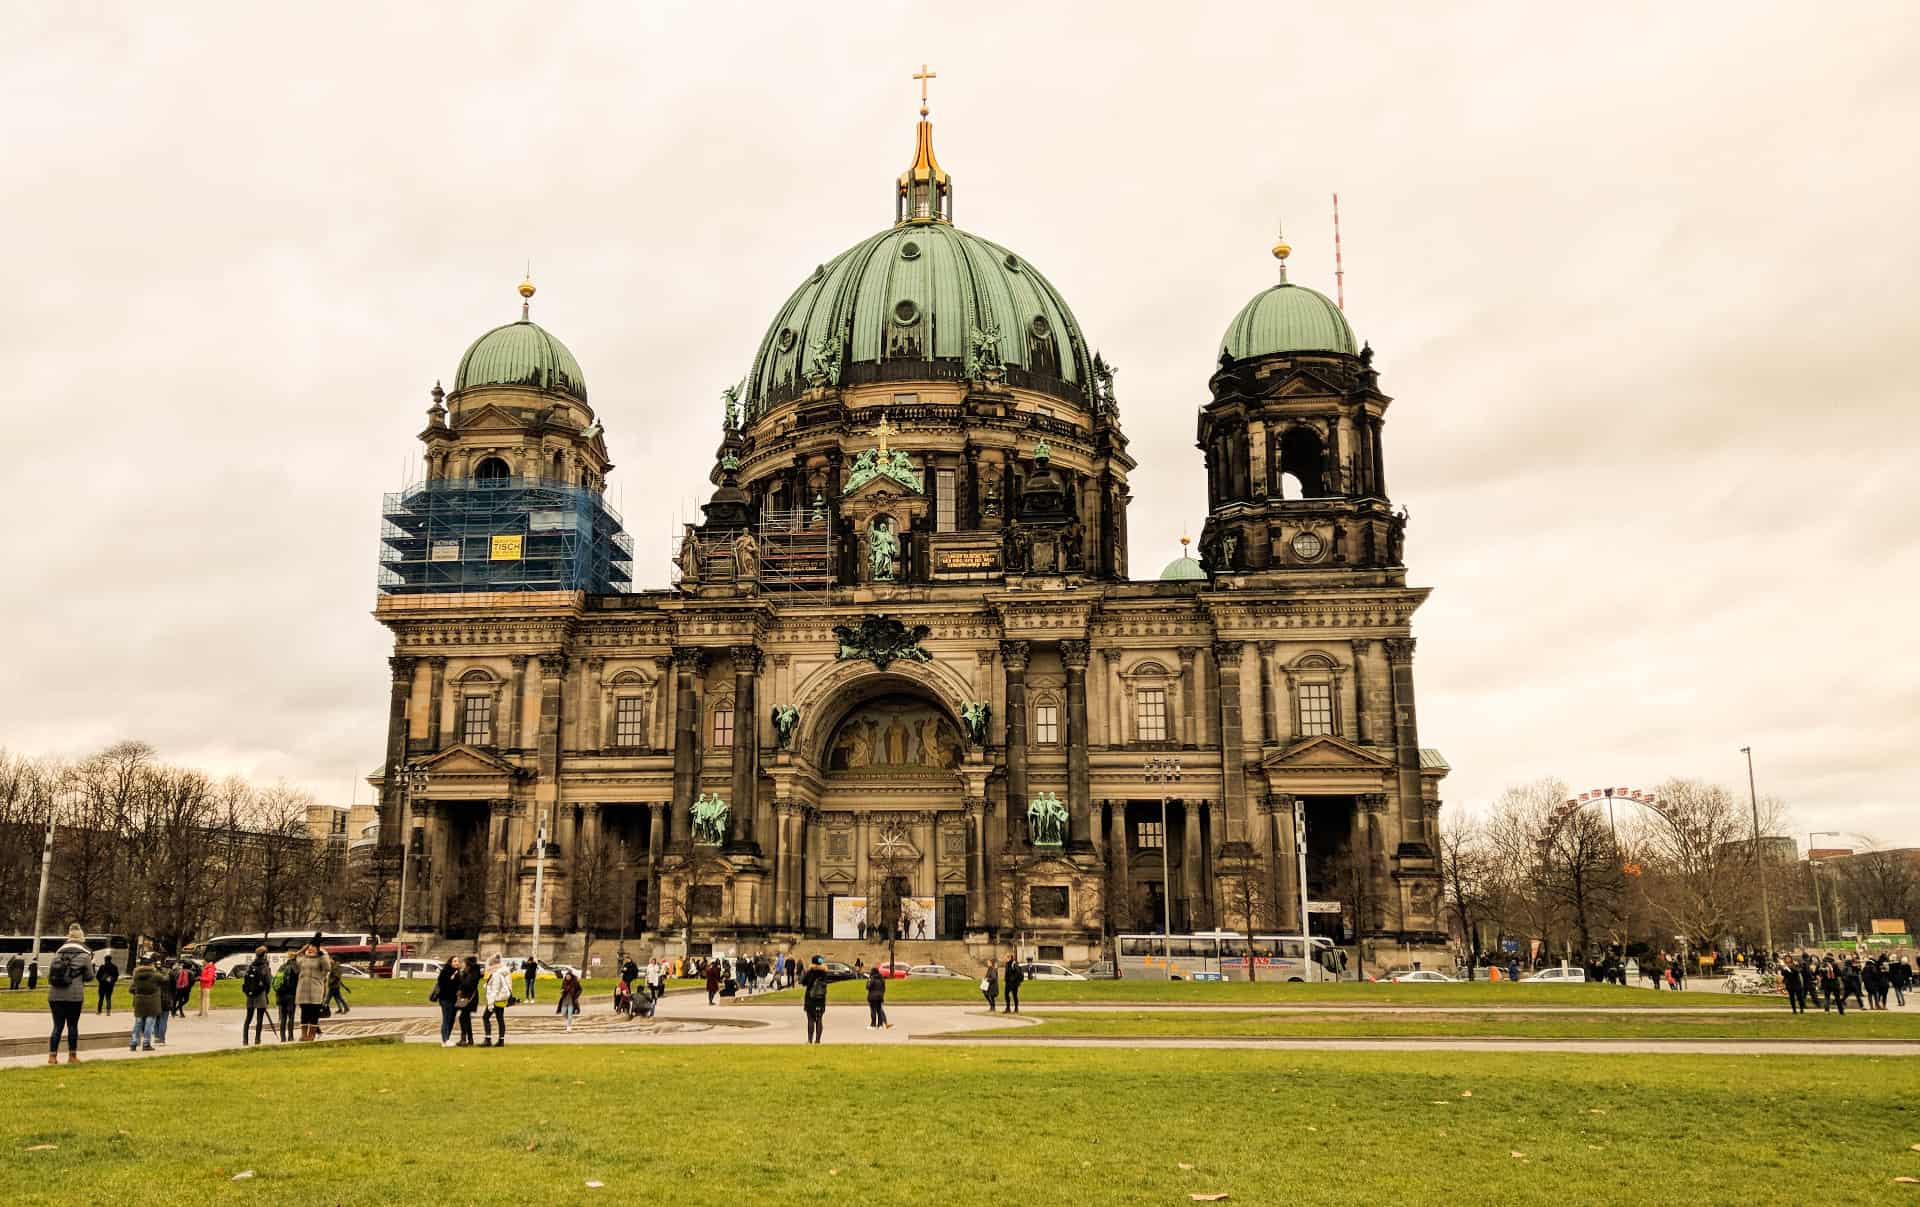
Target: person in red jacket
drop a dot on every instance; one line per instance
(206, 987)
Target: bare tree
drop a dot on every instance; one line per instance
(1468, 880)
(596, 877)
(699, 867)
(1880, 884)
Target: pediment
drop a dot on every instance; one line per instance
(464, 760)
(1304, 383)
(491, 417)
(1326, 751)
(838, 876)
(882, 489)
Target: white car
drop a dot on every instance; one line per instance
(936, 971)
(411, 969)
(1417, 976)
(1556, 976)
(1041, 970)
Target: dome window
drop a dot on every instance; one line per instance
(492, 472)
(787, 339)
(906, 313)
(909, 250)
(1040, 327)
(1012, 262)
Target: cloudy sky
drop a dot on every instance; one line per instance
(1642, 281)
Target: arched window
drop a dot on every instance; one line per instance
(559, 472)
(1314, 682)
(1301, 457)
(723, 725)
(492, 472)
(1046, 721)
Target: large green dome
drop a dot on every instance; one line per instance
(1182, 569)
(521, 354)
(1288, 318)
(904, 304)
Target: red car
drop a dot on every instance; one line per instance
(893, 972)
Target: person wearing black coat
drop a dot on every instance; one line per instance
(1900, 977)
(1850, 983)
(877, 1002)
(1010, 980)
(446, 986)
(106, 979)
(1795, 987)
(466, 995)
(1832, 996)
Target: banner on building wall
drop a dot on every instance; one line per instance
(446, 551)
(849, 917)
(851, 920)
(507, 548)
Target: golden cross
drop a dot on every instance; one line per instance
(884, 430)
(923, 75)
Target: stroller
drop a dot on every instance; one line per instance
(623, 999)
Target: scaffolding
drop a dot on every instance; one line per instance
(505, 534)
(791, 552)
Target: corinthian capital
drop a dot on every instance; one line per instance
(1399, 650)
(1014, 654)
(1073, 653)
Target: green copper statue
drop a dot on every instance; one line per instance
(710, 820)
(1047, 820)
(786, 719)
(975, 713)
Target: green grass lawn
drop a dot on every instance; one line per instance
(1241, 993)
(361, 991)
(957, 1127)
(1492, 1024)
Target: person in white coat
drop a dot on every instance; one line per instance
(499, 992)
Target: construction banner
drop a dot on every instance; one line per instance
(507, 548)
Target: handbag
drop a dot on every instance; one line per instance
(985, 985)
(463, 1001)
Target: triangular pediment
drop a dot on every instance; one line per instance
(838, 876)
(464, 760)
(491, 418)
(1325, 751)
(1304, 383)
(883, 486)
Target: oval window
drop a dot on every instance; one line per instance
(909, 250)
(906, 313)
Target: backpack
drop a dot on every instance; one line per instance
(60, 973)
(256, 981)
(817, 991)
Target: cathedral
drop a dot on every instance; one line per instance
(902, 681)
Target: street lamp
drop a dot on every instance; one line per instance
(413, 778)
(1766, 907)
(46, 866)
(1165, 771)
(1813, 872)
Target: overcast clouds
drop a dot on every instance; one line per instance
(1642, 282)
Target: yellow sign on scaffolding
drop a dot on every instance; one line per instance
(507, 548)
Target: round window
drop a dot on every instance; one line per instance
(909, 250)
(1307, 546)
(1012, 262)
(787, 339)
(1040, 327)
(906, 313)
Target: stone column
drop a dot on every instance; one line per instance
(1117, 857)
(1277, 811)
(1269, 725)
(747, 661)
(1013, 655)
(1362, 729)
(1406, 745)
(688, 663)
(1189, 731)
(783, 864)
(398, 697)
(440, 856)
(594, 708)
(976, 864)
(656, 841)
(1379, 460)
(436, 695)
(1233, 769)
(1192, 890)
(1116, 723)
(516, 696)
(1073, 654)
(663, 699)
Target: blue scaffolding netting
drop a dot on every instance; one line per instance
(502, 534)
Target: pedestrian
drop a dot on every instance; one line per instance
(532, 970)
(182, 987)
(1900, 976)
(256, 986)
(1011, 979)
(877, 1002)
(569, 997)
(67, 976)
(146, 991)
(656, 974)
(466, 995)
(165, 967)
(33, 974)
(499, 995)
(207, 975)
(445, 991)
(106, 979)
(286, 989)
(713, 980)
(813, 999)
(336, 989)
(314, 968)
(1850, 982)
(1831, 994)
(1795, 987)
(990, 985)
(16, 968)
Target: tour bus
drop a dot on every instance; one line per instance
(101, 946)
(277, 942)
(1222, 954)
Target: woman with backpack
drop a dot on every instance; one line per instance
(990, 984)
(256, 985)
(67, 978)
(813, 999)
(286, 989)
(149, 1003)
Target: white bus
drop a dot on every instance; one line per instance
(1222, 954)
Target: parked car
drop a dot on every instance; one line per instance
(1556, 976)
(838, 971)
(411, 969)
(893, 972)
(935, 971)
(1417, 976)
(351, 971)
(1042, 970)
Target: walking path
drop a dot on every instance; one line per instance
(685, 1019)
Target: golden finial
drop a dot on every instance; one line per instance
(526, 293)
(1184, 542)
(526, 288)
(1281, 250)
(923, 75)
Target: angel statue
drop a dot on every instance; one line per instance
(975, 713)
(786, 720)
(732, 396)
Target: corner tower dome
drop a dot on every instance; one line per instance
(521, 354)
(1286, 318)
(922, 301)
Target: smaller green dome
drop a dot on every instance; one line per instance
(521, 354)
(1182, 569)
(1288, 318)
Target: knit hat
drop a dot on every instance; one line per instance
(75, 934)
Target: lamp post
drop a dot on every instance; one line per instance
(1165, 771)
(46, 867)
(1766, 907)
(1813, 872)
(413, 778)
(539, 882)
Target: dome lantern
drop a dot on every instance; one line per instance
(924, 192)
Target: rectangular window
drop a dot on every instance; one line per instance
(1316, 708)
(706, 900)
(723, 728)
(1147, 836)
(1150, 713)
(943, 501)
(630, 721)
(1047, 901)
(1046, 724)
(476, 720)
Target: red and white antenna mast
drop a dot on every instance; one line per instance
(1339, 270)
